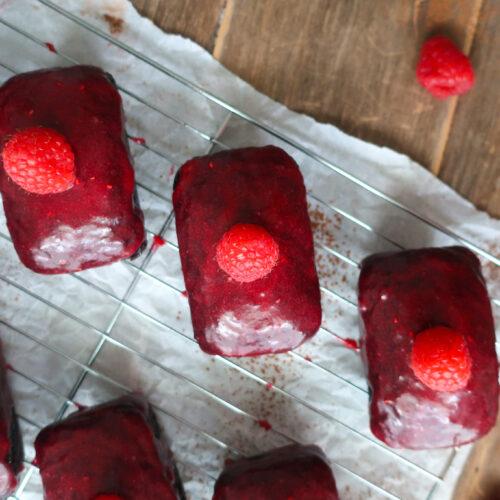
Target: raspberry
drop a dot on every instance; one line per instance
(440, 359)
(40, 160)
(443, 70)
(108, 497)
(247, 252)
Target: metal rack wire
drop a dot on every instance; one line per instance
(124, 303)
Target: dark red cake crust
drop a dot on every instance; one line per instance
(98, 220)
(115, 448)
(400, 295)
(11, 446)
(293, 472)
(260, 186)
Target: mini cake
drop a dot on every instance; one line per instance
(109, 452)
(428, 344)
(293, 472)
(65, 172)
(247, 252)
(11, 446)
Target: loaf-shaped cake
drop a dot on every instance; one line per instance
(66, 175)
(247, 252)
(295, 472)
(428, 344)
(114, 451)
(11, 445)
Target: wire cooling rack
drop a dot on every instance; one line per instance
(255, 404)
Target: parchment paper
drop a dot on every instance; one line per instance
(317, 394)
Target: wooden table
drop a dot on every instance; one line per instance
(352, 63)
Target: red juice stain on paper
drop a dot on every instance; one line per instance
(9, 367)
(51, 47)
(269, 385)
(158, 241)
(79, 407)
(265, 425)
(139, 140)
(184, 293)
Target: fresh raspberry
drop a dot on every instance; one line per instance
(443, 70)
(440, 359)
(40, 160)
(247, 252)
(108, 497)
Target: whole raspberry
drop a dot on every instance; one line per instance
(443, 70)
(440, 359)
(40, 160)
(247, 252)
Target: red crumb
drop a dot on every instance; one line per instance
(265, 425)
(349, 343)
(158, 241)
(139, 140)
(269, 385)
(51, 47)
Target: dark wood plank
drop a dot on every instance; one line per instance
(471, 161)
(481, 477)
(195, 19)
(350, 63)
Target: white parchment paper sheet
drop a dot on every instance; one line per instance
(209, 407)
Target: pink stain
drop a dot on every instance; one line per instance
(269, 385)
(265, 425)
(139, 140)
(184, 293)
(51, 47)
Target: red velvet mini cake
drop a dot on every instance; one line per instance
(428, 343)
(65, 173)
(247, 252)
(109, 452)
(11, 446)
(293, 472)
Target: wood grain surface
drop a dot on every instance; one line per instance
(352, 63)
(195, 19)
